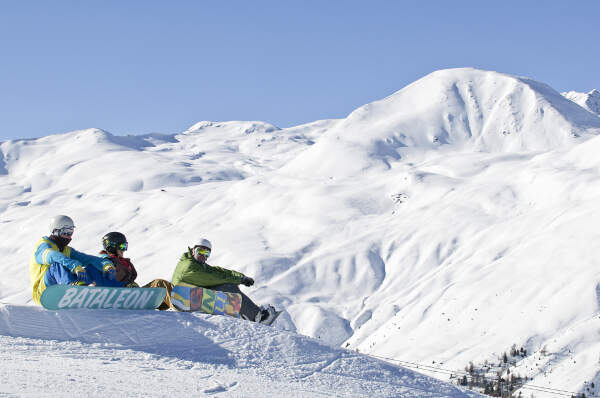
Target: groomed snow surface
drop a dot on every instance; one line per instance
(441, 225)
(141, 353)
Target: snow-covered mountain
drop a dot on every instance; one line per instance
(443, 224)
(466, 109)
(589, 101)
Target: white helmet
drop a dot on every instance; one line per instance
(60, 222)
(204, 243)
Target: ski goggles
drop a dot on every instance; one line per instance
(122, 246)
(202, 251)
(65, 231)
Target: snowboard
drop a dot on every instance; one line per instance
(63, 297)
(205, 300)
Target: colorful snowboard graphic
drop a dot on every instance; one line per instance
(63, 297)
(206, 300)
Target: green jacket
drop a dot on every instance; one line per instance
(191, 272)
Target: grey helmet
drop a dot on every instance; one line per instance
(59, 222)
(204, 243)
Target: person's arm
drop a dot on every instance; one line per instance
(133, 276)
(126, 272)
(208, 276)
(101, 264)
(45, 254)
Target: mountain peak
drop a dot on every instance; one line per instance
(589, 101)
(467, 108)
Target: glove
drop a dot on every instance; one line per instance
(110, 272)
(132, 284)
(247, 281)
(82, 275)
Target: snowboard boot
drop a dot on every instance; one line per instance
(267, 315)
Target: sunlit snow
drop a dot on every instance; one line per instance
(442, 224)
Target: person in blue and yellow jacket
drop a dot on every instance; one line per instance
(55, 262)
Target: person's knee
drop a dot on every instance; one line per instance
(57, 274)
(48, 278)
(160, 283)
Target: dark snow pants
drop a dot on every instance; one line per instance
(249, 310)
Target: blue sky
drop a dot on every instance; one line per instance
(134, 67)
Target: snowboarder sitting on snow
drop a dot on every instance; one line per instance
(193, 271)
(115, 244)
(54, 262)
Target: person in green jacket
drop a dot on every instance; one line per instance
(193, 271)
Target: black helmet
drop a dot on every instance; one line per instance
(113, 241)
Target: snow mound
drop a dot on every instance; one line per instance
(153, 353)
(589, 101)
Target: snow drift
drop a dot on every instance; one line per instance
(189, 354)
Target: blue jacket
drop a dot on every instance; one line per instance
(47, 252)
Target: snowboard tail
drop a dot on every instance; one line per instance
(206, 300)
(63, 297)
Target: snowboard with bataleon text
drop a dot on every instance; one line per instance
(206, 300)
(62, 297)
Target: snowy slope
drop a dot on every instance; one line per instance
(589, 101)
(445, 223)
(103, 353)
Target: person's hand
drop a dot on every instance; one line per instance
(132, 284)
(247, 281)
(110, 272)
(82, 274)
